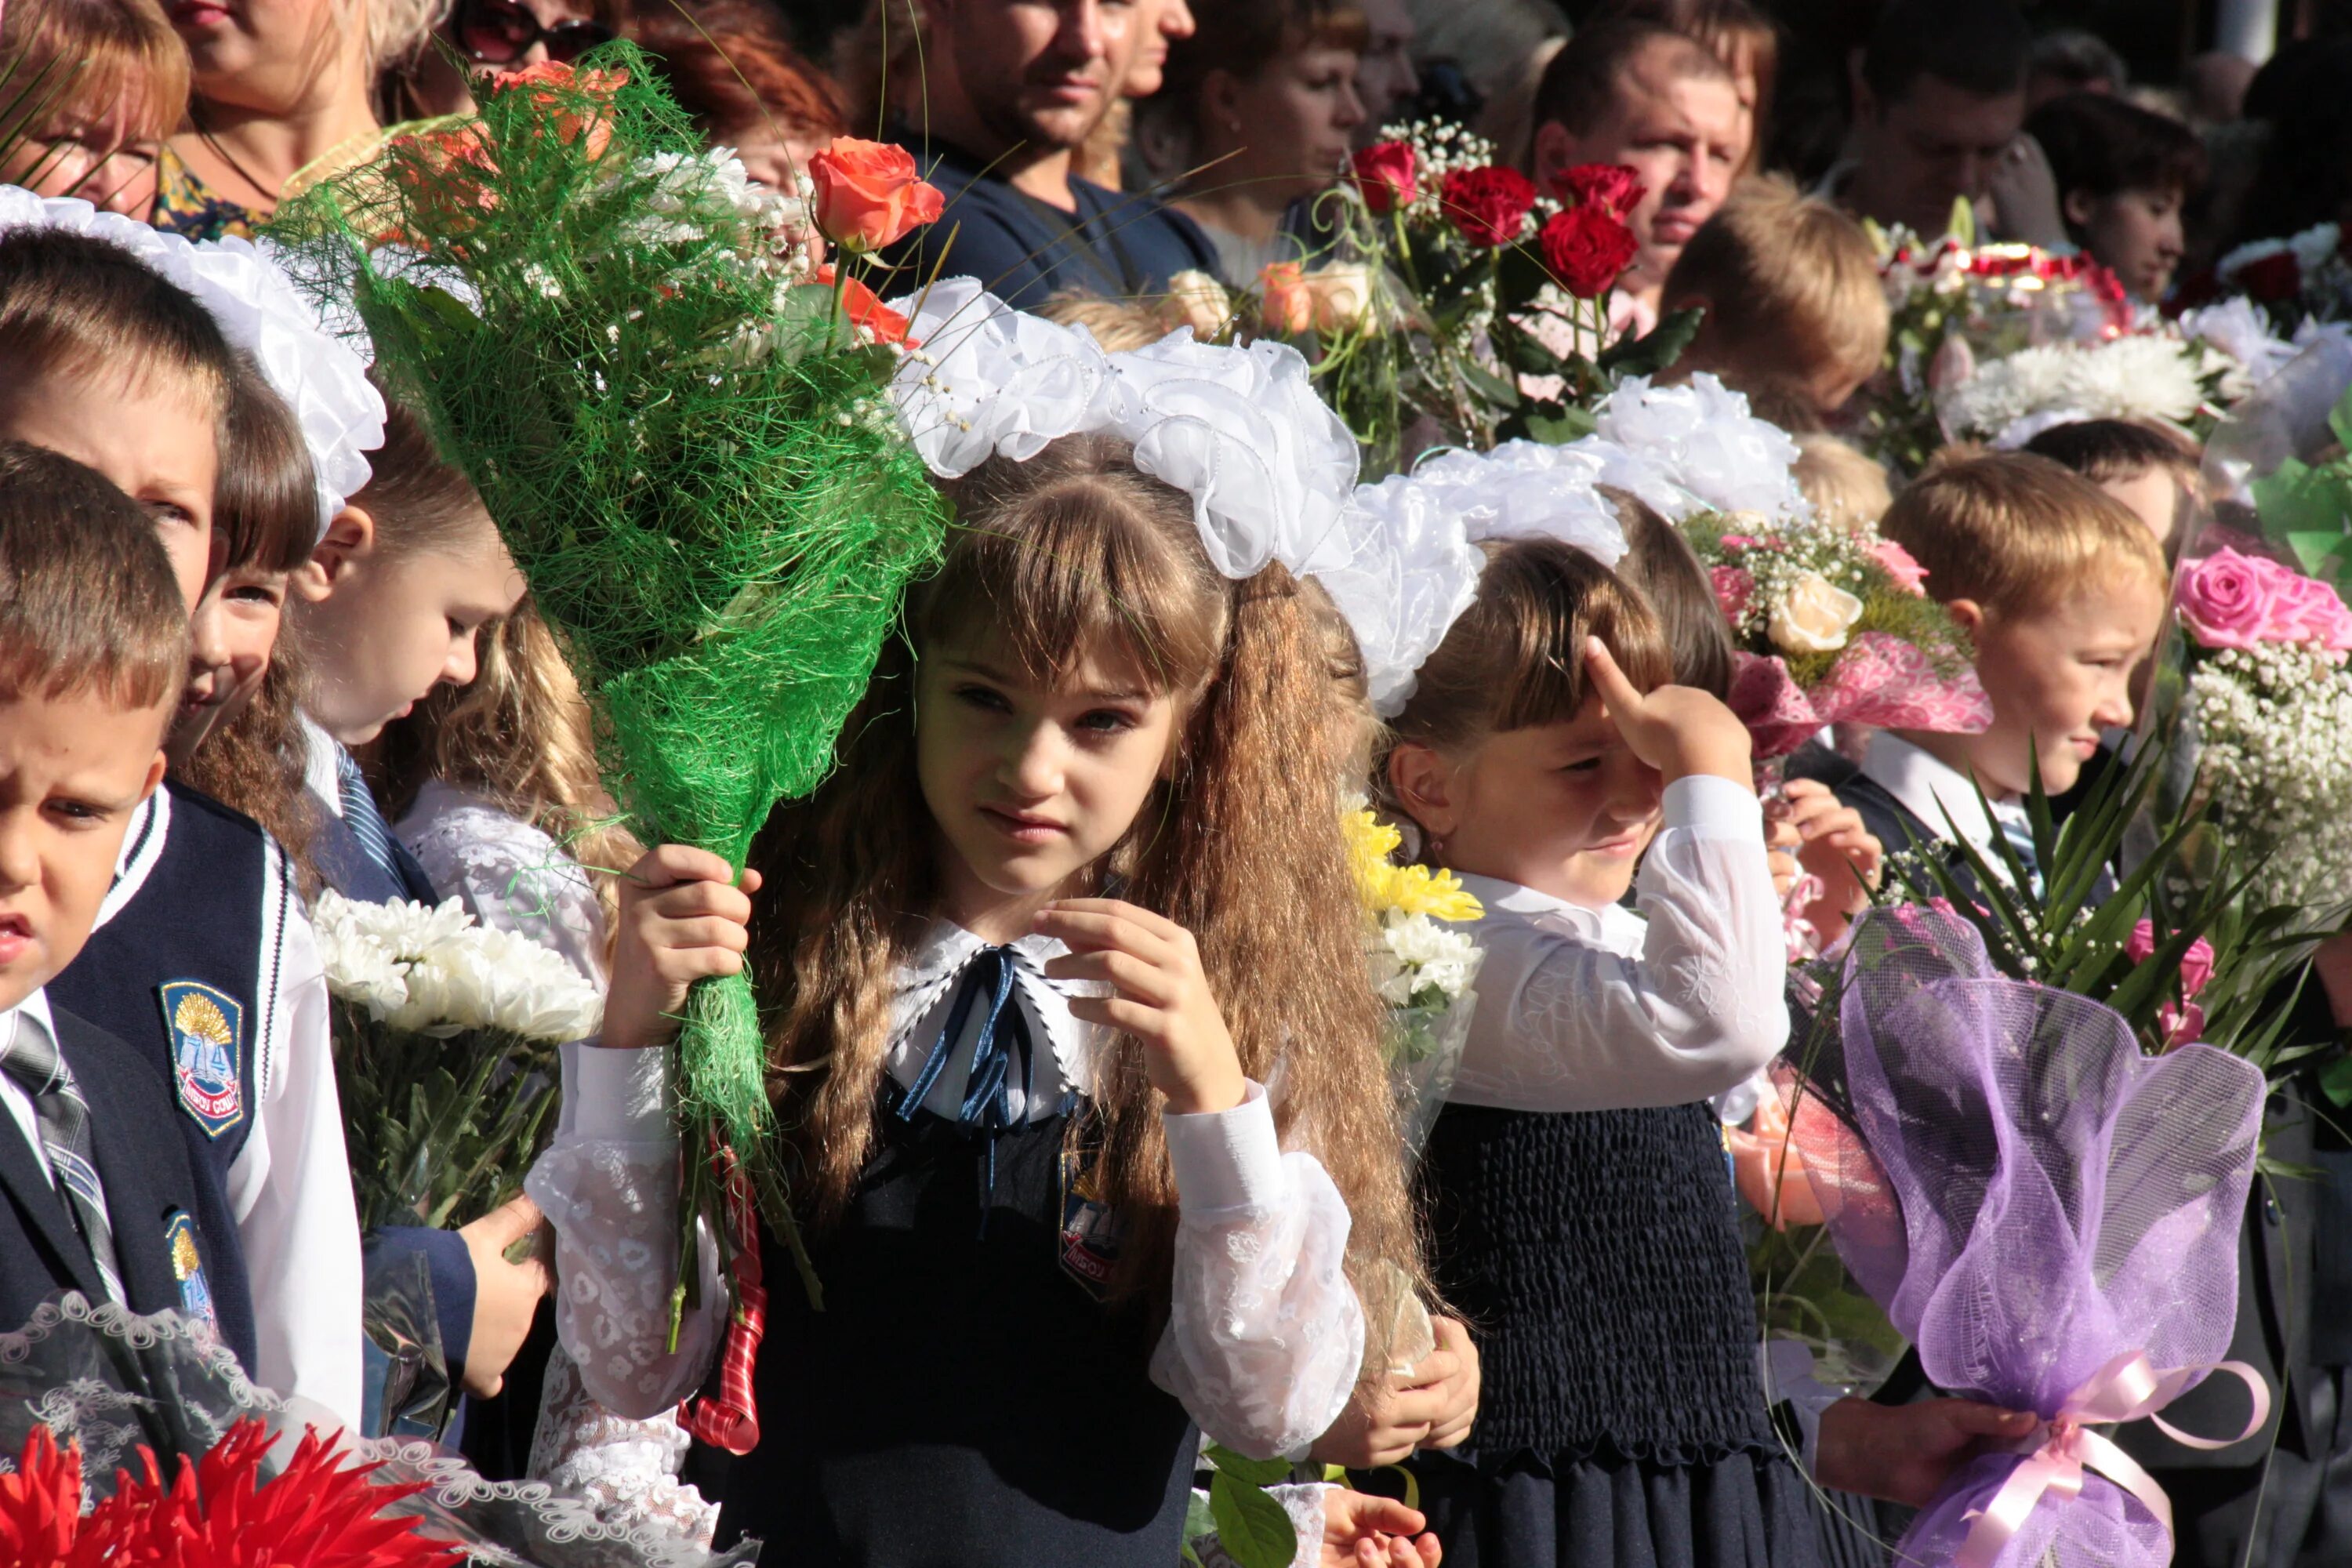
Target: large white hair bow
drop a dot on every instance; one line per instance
(244, 284)
(1240, 430)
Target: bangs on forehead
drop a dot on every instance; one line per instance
(1063, 559)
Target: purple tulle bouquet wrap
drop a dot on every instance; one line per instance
(2049, 1214)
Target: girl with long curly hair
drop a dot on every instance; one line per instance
(1073, 1046)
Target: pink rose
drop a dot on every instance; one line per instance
(2227, 600)
(2196, 964)
(2316, 615)
(1739, 542)
(1733, 588)
(1908, 573)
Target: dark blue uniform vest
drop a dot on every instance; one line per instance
(962, 1401)
(151, 1193)
(187, 974)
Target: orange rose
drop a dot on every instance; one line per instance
(865, 310)
(1770, 1171)
(867, 196)
(1285, 302)
(554, 86)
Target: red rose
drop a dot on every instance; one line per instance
(1489, 205)
(2278, 277)
(868, 196)
(1612, 186)
(555, 85)
(1387, 175)
(1586, 248)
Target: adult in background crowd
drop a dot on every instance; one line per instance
(1744, 38)
(1640, 94)
(1937, 105)
(1257, 113)
(282, 94)
(1386, 76)
(732, 66)
(488, 37)
(2122, 175)
(2071, 60)
(1141, 59)
(1007, 92)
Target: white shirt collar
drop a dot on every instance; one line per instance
(318, 770)
(1929, 787)
(142, 850)
(32, 1012)
(939, 960)
(1610, 927)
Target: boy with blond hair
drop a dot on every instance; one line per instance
(2063, 590)
(93, 651)
(1794, 313)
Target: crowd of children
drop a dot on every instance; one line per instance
(1074, 1052)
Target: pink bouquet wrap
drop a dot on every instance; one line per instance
(2049, 1214)
(1880, 681)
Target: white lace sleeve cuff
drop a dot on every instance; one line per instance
(614, 1096)
(1707, 806)
(1227, 1159)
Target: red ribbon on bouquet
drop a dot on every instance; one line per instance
(1879, 680)
(731, 1419)
(2125, 1389)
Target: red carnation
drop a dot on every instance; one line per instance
(2273, 277)
(1387, 174)
(1489, 205)
(1612, 186)
(1586, 248)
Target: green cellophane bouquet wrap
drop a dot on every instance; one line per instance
(676, 410)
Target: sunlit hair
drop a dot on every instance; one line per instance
(2106, 450)
(1661, 565)
(1118, 325)
(1071, 554)
(732, 66)
(1790, 287)
(111, 63)
(89, 603)
(1845, 484)
(519, 736)
(1516, 657)
(74, 306)
(266, 515)
(2018, 534)
(420, 504)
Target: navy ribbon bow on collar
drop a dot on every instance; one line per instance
(987, 1109)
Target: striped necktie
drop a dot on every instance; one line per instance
(361, 815)
(31, 1057)
(2015, 827)
(987, 1108)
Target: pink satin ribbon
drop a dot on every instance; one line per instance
(2125, 1389)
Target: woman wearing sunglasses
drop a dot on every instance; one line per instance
(488, 37)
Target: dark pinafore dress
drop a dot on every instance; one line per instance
(1597, 1257)
(965, 1399)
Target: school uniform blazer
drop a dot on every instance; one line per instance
(151, 1193)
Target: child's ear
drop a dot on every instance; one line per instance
(1423, 783)
(2076, 206)
(1968, 612)
(351, 535)
(154, 773)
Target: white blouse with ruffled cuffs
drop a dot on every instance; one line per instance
(1599, 1009)
(1264, 1334)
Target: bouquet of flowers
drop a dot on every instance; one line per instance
(2050, 1215)
(2306, 277)
(677, 413)
(2269, 701)
(1424, 970)
(1447, 278)
(445, 1054)
(1832, 626)
(2147, 376)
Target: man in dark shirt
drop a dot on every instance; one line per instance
(1009, 89)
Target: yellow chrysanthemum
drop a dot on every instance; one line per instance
(1411, 889)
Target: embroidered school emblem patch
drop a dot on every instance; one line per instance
(206, 1028)
(188, 1267)
(1091, 1229)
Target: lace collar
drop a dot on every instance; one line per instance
(941, 959)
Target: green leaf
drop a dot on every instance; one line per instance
(1252, 1527)
(1655, 350)
(2339, 418)
(1241, 1467)
(1571, 424)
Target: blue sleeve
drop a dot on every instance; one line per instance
(452, 1267)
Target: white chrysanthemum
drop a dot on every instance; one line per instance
(2150, 377)
(1427, 954)
(432, 970)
